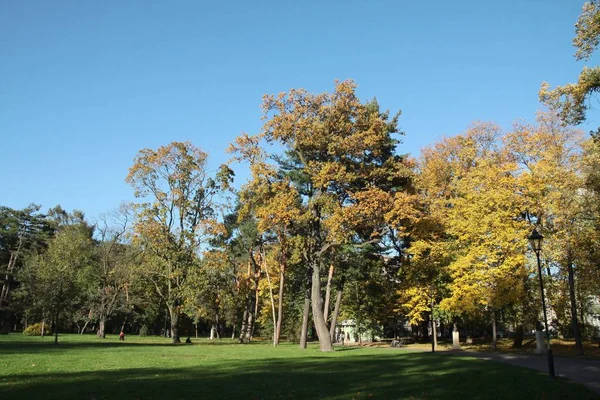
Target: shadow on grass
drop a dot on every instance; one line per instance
(46, 344)
(391, 375)
(49, 346)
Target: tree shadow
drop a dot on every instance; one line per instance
(353, 376)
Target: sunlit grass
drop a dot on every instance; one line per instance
(83, 367)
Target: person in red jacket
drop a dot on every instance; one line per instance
(121, 336)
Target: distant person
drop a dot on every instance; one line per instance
(122, 336)
(188, 340)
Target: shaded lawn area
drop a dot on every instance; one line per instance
(150, 368)
(560, 347)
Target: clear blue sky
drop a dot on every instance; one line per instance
(85, 84)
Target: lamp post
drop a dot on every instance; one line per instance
(535, 241)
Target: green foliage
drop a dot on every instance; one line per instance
(144, 331)
(36, 330)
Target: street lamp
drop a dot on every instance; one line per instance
(535, 241)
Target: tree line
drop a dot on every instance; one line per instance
(333, 223)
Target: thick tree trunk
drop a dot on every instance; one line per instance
(494, 331)
(174, 330)
(244, 327)
(101, 328)
(218, 326)
(574, 321)
(317, 309)
(328, 293)
(334, 316)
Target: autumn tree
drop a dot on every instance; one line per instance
(272, 201)
(471, 184)
(549, 157)
(179, 212)
(571, 100)
(345, 153)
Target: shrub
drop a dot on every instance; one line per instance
(36, 330)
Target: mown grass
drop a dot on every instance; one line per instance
(150, 368)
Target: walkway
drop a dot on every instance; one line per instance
(586, 372)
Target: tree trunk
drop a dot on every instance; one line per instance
(174, 331)
(574, 321)
(250, 327)
(218, 326)
(254, 313)
(232, 333)
(213, 330)
(43, 326)
(328, 293)
(196, 326)
(280, 304)
(84, 327)
(272, 303)
(244, 327)
(56, 327)
(433, 328)
(306, 311)
(101, 328)
(518, 342)
(305, 314)
(317, 309)
(124, 323)
(334, 316)
(494, 331)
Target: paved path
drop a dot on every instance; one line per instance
(586, 372)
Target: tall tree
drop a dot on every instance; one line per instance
(112, 275)
(549, 157)
(180, 212)
(56, 278)
(473, 189)
(345, 152)
(21, 232)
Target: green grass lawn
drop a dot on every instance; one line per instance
(83, 367)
